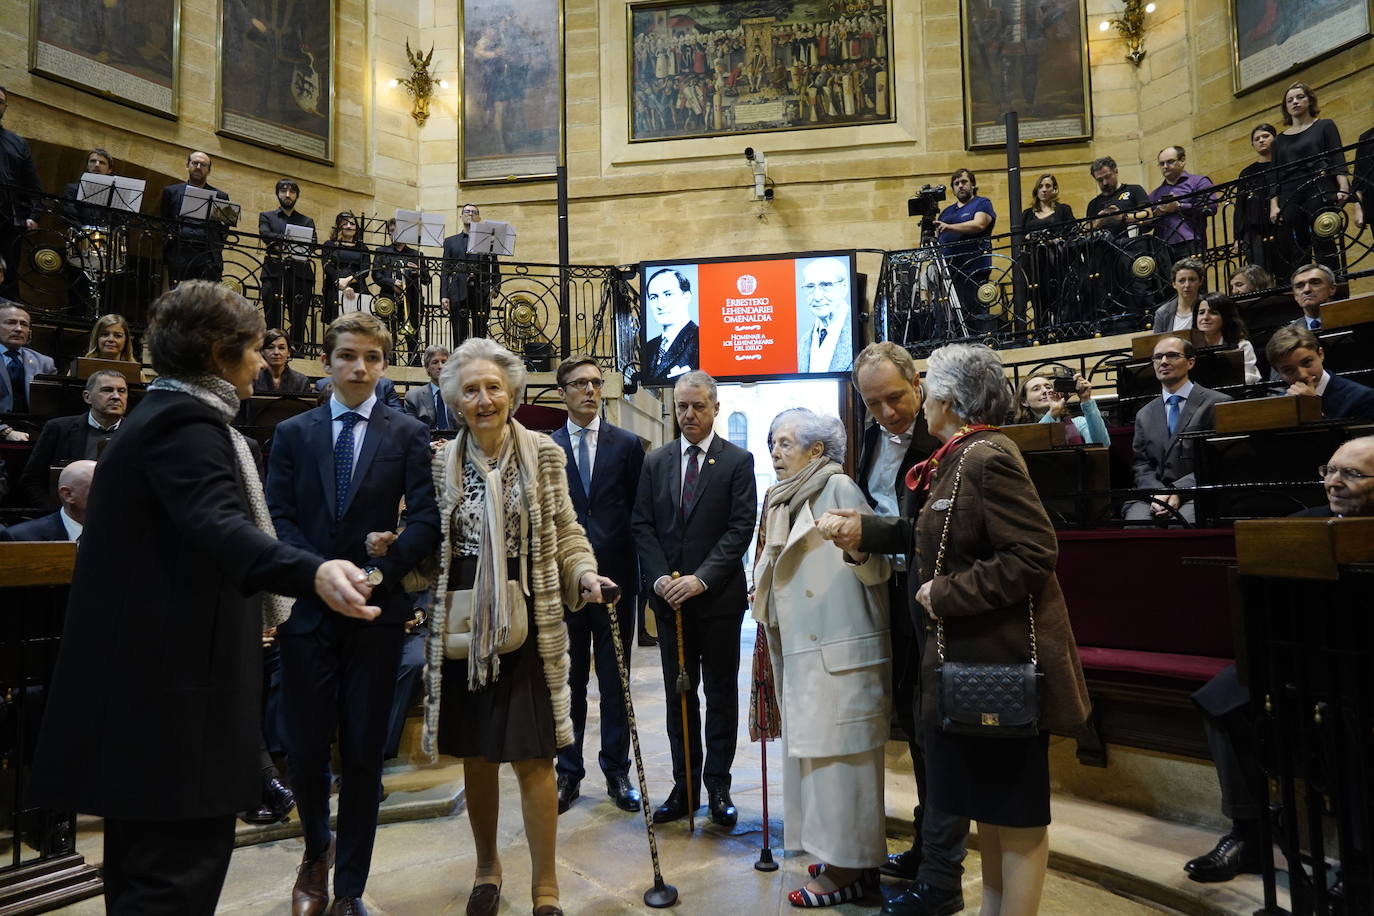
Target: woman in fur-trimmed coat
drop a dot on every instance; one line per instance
(511, 537)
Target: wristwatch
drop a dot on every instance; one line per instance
(374, 576)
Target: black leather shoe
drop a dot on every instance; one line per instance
(277, 802)
(625, 796)
(674, 808)
(722, 808)
(484, 900)
(904, 865)
(568, 791)
(1230, 857)
(348, 906)
(923, 899)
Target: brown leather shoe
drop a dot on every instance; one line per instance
(484, 900)
(310, 895)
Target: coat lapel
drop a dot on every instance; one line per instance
(322, 445)
(560, 435)
(378, 428)
(675, 477)
(600, 464)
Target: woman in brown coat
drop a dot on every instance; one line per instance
(1001, 551)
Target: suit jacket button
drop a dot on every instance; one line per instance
(813, 637)
(810, 594)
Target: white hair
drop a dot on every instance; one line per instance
(970, 379)
(810, 428)
(478, 349)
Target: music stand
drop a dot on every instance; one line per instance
(491, 236)
(86, 366)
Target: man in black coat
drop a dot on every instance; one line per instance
(194, 249)
(66, 439)
(469, 282)
(693, 521)
(283, 273)
(604, 466)
(66, 524)
(887, 380)
(1225, 702)
(337, 474)
(19, 211)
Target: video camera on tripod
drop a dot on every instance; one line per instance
(926, 205)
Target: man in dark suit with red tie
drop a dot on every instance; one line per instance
(604, 465)
(338, 474)
(693, 521)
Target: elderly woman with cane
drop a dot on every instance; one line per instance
(985, 553)
(511, 556)
(825, 612)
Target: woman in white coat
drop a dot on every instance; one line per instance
(825, 612)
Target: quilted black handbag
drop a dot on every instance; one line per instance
(984, 698)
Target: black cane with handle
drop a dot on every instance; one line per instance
(660, 895)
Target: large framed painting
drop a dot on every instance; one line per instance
(511, 70)
(1270, 39)
(741, 66)
(126, 51)
(276, 75)
(1031, 58)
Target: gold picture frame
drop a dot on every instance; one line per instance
(128, 53)
(273, 91)
(1035, 63)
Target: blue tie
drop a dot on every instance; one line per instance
(440, 412)
(1314, 324)
(1172, 418)
(20, 401)
(343, 461)
(584, 461)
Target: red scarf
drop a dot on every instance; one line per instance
(919, 477)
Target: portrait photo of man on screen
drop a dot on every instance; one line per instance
(824, 343)
(671, 310)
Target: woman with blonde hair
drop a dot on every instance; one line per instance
(111, 339)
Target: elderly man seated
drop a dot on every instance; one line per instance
(66, 524)
(1224, 701)
(1298, 359)
(1163, 458)
(67, 439)
(1313, 286)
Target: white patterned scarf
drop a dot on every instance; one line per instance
(220, 394)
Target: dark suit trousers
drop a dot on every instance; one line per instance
(194, 261)
(589, 636)
(294, 282)
(712, 650)
(1231, 736)
(174, 868)
(341, 678)
(407, 680)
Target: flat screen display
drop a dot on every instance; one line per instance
(749, 319)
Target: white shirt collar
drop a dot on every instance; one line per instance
(74, 528)
(704, 445)
(364, 410)
(594, 426)
(1184, 391)
(1323, 382)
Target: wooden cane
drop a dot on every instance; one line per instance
(684, 684)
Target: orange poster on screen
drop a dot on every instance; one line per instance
(748, 317)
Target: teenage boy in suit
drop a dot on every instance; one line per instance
(337, 474)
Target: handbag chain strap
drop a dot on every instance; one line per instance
(940, 563)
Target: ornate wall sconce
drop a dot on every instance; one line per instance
(1131, 25)
(420, 84)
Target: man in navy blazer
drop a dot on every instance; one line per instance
(604, 464)
(1163, 459)
(693, 521)
(338, 474)
(66, 524)
(18, 364)
(1298, 359)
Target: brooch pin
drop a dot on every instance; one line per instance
(940, 505)
(710, 461)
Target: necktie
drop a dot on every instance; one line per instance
(1315, 324)
(584, 461)
(1172, 417)
(20, 401)
(343, 461)
(662, 361)
(689, 480)
(821, 339)
(441, 420)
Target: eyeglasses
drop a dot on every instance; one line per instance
(1170, 356)
(582, 384)
(1168, 162)
(1348, 475)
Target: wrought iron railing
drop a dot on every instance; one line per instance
(1087, 277)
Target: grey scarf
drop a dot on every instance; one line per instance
(220, 394)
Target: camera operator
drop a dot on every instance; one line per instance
(965, 229)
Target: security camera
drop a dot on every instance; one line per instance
(767, 193)
(749, 153)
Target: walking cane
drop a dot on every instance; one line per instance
(660, 895)
(684, 686)
(763, 727)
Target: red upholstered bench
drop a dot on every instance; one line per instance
(1151, 628)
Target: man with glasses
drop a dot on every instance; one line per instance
(1225, 702)
(469, 282)
(1163, 456)
(1180, 206)
(1297, 357)
(824, 302)
(604, 465)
